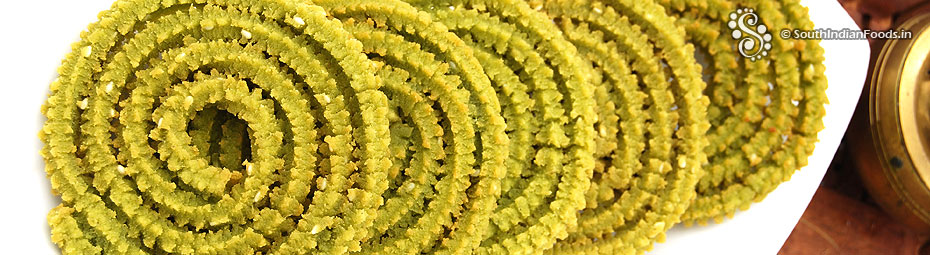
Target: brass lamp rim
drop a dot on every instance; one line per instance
(899, 111)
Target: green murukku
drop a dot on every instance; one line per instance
(650, 126)
(134, 181)
(765, 114)
(413, 126)
(546, 100)
(440, 206)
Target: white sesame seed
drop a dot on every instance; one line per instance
(159, 122)
(258, 195)
(409, 186)
(316, 229)
(327, 99)
(86, 51)
(598, 10)
(181, 56)
(323, 184)
(188, 101)
(208, 27)
(352, 196)
(82, 104)
(754, 159)
(659, 225)
(682, 163)
(602, 130)
(299, 21)
(121, 169)
(661, 167)
(248, 168)
(451, 7)
(246, 34)
(112, 113)
(109, 87)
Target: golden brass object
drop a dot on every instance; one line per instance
(898, 174)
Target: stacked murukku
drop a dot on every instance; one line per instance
(765, 114)
(413, 126)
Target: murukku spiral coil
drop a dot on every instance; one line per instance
(133, 181)
(418, 127)
(547, 102)
(651, 122)
(765, 114)
(425, 65)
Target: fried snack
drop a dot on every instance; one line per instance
(547, 103)
(765, 114)
(133, 181)
(650, 126)
(418, 126)
(448, 135)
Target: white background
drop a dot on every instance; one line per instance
(36, 35)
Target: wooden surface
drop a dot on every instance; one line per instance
(883, 14)
(837, 224)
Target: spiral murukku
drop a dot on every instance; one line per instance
(765, 114)
(154, 83)
(449, 127)
(546, 100)
(650, 125)
(419, 127)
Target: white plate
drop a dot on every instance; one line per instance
(36, 35)
(764, 228)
